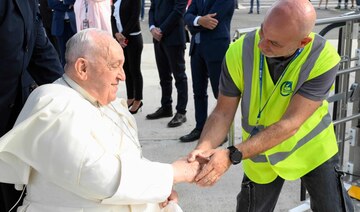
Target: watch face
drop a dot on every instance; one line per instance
(236, 157)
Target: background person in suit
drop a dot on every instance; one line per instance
(63, 23)
(126, 30)
(25, 54)
(168, 31)
(209, 23)
(47, 16)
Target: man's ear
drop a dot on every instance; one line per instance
(81, 66)
(305, 41)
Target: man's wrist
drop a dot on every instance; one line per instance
(235, 156)
(204, 146)
(152, 27)
(196, 21)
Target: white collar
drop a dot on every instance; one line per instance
(72, 84)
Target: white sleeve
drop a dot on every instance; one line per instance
(59, 143)
(142, 181)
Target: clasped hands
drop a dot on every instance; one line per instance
(201, 167)
(121, 39)
(214, 163)
(204, 167)
(156, 33)
(208, 21)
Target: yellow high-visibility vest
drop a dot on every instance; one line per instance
(315, 141)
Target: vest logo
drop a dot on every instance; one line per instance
(286, 88)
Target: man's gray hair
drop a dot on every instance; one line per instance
(85, 44)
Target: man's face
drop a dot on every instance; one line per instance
(105, 73)
(277, 41)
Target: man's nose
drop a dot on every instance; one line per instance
(262, 44)
(121, 74)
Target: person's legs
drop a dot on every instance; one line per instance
(177, 66)
(319, 4)
(236, 4)
(200, 80)
(135, 47)
(129, 78)
(62, 39)
(255, 197)
(199, 86)
(162, 62)
(326, 189)
(214, 68)
(52, 40)
(339, 5)
(61, 42)
(251, 6)
(68, 32)
(134, 50)
(214, 61)
(142, 12)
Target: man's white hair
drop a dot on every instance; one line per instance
(86, 43)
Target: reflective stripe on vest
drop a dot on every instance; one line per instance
(285, 159)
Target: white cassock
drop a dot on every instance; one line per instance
(76, 156)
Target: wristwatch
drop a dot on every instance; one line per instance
(235, 155)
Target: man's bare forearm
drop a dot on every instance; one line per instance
(266, 139)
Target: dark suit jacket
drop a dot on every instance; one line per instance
(24, 50)
(129, 17)
(168, 16)
(60, 7)
(215, 40)
(46, 13)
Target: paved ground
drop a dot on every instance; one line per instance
(161, 143)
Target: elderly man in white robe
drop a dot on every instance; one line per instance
(75, 144)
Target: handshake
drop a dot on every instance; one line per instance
(202, 167)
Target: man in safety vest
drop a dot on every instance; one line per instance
(283, 72)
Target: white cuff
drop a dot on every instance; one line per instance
(196, 21)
